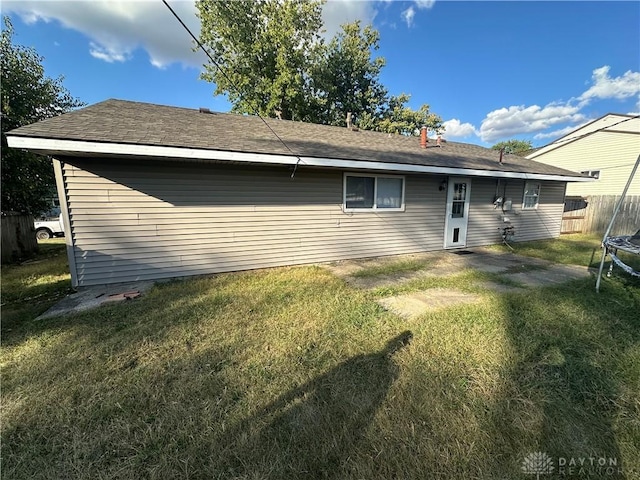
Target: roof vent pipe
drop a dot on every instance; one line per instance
(439, 141)
(501, 153)
(349, 120)
(423, 137)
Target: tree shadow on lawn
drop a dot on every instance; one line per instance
(571, 384)
(311, 431)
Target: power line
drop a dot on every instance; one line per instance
(224, 74)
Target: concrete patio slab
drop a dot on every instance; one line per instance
(519, 273)
(414, 304)
(525, 271)
(92, 297)
(555, 274)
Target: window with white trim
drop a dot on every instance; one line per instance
(531, 196)
(373, 192)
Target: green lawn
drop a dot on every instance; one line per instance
(576, 249)
(290, 373)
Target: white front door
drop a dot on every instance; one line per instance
(455, 228)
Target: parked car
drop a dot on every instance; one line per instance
(49, 227)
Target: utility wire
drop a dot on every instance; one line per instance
(224, 74)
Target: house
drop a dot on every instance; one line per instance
(150, 192)
(606, 149)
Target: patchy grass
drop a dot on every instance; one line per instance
(30, 288)
(574, 249)
(292, 373)
(391, 268)
(524, 268)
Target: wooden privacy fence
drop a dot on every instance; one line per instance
(18, 237)
(592, 214)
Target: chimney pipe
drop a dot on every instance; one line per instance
(439, 141)
(423, 137)
(501, 152)
(349, 120)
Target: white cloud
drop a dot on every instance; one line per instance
(338, 12)
(455, 129)
(425, 4)
(512, 121)
(407, 15)
(516, 120)
(117, 28)
(108, 55)
(625, 86)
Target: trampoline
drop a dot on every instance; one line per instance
(625, 243)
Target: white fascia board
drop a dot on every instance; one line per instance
(53, 146)
(404, 167)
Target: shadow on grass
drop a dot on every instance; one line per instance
(311, 431)
(166, 419)
(570, 380)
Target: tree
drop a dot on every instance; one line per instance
(265, 49)
(515, 147)
(396, 117)
(270, 58)
(346, 78)
(27, 96)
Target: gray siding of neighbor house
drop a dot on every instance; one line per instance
(485, 221)
(135, 220)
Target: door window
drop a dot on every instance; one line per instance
(459, 198)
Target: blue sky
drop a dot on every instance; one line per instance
(492, 70)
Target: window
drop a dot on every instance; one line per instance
(531, 196)
(459, 197)
(370, 192)
(592, 173)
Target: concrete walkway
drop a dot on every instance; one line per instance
(516, 274)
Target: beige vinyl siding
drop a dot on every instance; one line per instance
(136, 220)
(612, 153)
(485, 221)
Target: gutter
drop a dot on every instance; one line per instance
(49, 146)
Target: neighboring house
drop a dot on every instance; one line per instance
(151, 192)
(605, 149)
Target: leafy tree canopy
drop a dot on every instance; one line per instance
(273, 61)
(27, 96)
(265, 50)
(516, 147)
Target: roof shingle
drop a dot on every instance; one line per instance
(126, 122)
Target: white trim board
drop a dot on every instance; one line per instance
(51, 146)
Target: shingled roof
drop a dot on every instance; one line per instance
(128, 125)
